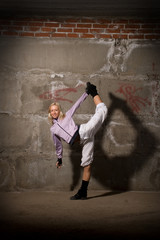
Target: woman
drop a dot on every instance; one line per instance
(64, 127)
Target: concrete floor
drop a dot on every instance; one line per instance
(51, 215)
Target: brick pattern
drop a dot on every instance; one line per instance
(92, 28)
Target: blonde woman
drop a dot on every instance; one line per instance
(64, 128)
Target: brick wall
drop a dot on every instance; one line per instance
(92, 28)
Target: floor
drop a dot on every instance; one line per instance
(51, 215)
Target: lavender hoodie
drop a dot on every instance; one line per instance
(65, 128)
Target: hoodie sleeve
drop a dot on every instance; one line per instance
(77, 104)
(58, 145)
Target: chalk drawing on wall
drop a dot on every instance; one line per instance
(60, 93)
(130, 92)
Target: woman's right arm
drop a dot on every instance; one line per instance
(58, 145)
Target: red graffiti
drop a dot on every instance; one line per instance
(58, 95)
(129, 92)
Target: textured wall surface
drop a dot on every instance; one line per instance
(81, 27)
(36, 71)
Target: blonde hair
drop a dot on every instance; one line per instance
(61, 114)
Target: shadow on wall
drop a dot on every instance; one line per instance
(115, 172)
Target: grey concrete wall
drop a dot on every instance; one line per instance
(36, 72)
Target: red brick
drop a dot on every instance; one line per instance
(88, 36)
(42, 35)
(73, 35)
(104, 36)
(58, 35)
(26, 34)
(128, 30)
(100, 25)
(80, 30)
(51, 24)
(136, 36)
(97, 30)
(115, 26)
(84, 25)
(48, 29)
(113, 30)
(64, 30)
(68, 25)
(121, 36)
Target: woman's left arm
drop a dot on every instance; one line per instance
(77, 104)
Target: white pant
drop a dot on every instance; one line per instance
(87, 132)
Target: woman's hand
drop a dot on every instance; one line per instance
(59, 163)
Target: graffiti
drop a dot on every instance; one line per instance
(136, 102)
(59, 94)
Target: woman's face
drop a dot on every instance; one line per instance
(54, 111)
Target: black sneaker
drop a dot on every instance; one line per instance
(79, 196)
